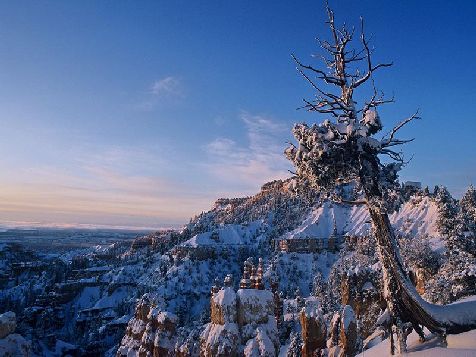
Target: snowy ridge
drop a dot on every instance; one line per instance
(232, 234)
(332, 219)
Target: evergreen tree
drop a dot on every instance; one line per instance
(447, 212)
(295, 345)
(457, 276)
(467, 221)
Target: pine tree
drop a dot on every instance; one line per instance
(467, 221)
(457, 276)
(295, 345)
(447, 212)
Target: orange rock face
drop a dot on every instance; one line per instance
(313, 332)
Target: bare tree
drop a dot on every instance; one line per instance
(344, 148)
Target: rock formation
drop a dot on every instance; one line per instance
(149, 333)
(313, 331)
(243, 321)
(344, 338)
(358, 290)
(11, 343)
(8, 323)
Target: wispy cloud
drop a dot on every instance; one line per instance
(143, 185)
(168, 86)
(249, 166)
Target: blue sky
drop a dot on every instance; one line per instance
(143, 113)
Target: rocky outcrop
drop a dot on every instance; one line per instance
(419, 276)
(221, 336)
(255, 306)
(259, 331)
(149, 333)
(243, 320)
(15, 345)
(313, 331)
(344, 338)
(349, 338)
(8, 323)
(223, 307)
(12, 344)
(358, 290)
(220, 340)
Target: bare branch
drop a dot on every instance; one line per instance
(390, 140)
(324, 76)
(397, 156)
(335, 99)
(370, 68)
(330, 15)
(320, 109)
(375, 102)
(396, 142)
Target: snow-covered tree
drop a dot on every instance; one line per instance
(467, 221)
(345, 148)
(457, 276)
(295, 345)
(417, 253)
(468, 202)
(447, 211)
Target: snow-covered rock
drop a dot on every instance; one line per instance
(240, 321)
(8, 323)
(220, 340)
(224, 306)
(349, 339)
(255, 306)
(313, 331)
(150, 331)
(15, 345)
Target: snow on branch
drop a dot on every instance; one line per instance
(334, 150)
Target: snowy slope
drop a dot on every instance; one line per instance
(417, 217)
(231, 234)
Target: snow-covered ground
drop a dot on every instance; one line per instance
(461, 345)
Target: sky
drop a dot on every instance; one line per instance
(143, 113)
